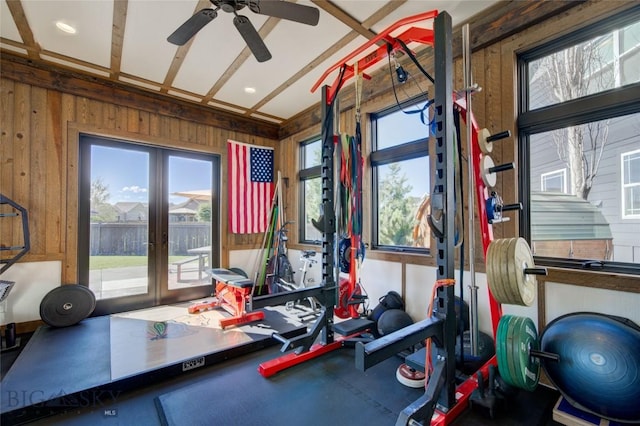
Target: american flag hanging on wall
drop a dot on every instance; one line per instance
(251, 186)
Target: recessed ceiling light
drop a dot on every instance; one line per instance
(65, 27)
(250, 90)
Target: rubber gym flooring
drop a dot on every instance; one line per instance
(324, 391)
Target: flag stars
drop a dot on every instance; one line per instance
(261, 165)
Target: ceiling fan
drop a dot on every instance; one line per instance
(276, 8)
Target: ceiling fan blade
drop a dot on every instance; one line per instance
(252, 38)
(286, 10)
(191, 26)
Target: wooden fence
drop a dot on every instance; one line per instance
(131, 239)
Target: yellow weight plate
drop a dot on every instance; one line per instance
(511, 285)
(496, 260)
(527, 283)
(504, 268)
(492, 277)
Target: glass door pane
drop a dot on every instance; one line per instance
(119, 222)
(189, 221)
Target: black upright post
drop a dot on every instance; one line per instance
(328, 209)
(443, 195)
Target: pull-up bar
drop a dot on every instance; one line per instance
(413, 34)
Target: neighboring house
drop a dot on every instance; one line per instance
(185, 212)
(566, 226)
(613, 186)
(182, 214)
(131, 211)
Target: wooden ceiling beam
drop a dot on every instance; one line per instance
(345, 18)
(352, 35)
(117, 35)
(19, 17)
(266, 28)
(181, 54)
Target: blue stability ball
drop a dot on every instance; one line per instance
(599, 366)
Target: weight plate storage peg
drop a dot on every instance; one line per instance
(517, 352)
(67, 305)
(485, 146)
(490, 178)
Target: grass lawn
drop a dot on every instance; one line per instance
(108, 262)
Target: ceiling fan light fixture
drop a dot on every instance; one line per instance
(66, 28)
(274, 8)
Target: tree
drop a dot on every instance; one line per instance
(99, 192)
(313, 199)
(396, 208)
(204, 212)
(573, 73)
(101, 210)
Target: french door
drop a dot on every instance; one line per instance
(148, 223)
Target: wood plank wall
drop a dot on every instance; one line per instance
(39, 159)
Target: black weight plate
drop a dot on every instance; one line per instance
(471, 364)
(599, 366)
(67, 305)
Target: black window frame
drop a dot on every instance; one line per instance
(607, 104)
(379, 157)
(305, 174)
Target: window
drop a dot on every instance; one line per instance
(631, 185)
(148, 229)
(401, 178)
(555, 181)
(592, 66)
(579, 130)
(310, 190)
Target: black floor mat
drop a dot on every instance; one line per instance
(324, 391)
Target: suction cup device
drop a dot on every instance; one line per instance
(410, 377)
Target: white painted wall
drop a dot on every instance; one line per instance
(245, 260)
(379, 277)
(33, 280)
(562, 299)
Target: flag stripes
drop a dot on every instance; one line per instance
(250, 180)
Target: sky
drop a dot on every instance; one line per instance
(126, 171)
(126, 174)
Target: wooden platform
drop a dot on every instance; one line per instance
(568, 415)
(60, 367)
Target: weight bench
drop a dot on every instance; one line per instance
(233, 294)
